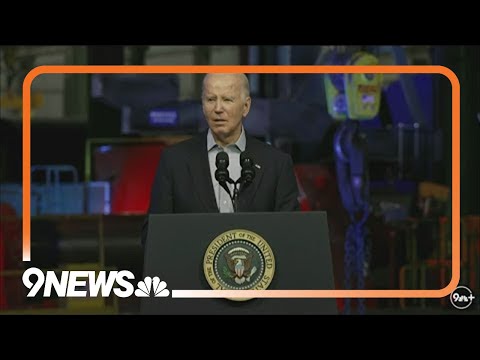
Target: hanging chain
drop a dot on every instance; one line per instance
(356, 260)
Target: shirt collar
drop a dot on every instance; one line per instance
(240, 143)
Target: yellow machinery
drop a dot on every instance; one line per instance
(353, 96)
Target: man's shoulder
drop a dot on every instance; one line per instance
(186, 146)
(266, 149)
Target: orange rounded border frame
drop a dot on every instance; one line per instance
(261, 69)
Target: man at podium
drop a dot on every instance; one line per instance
(223, 169)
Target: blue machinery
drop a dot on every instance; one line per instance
(353, 98)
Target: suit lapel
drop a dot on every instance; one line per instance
(248, 194)
(201, 176)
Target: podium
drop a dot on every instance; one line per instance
(274, 250)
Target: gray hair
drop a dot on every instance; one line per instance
(245, 83)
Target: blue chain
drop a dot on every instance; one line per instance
(356, 259)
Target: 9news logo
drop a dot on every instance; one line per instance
(90, 283)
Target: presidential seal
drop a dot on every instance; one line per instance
(239, 260)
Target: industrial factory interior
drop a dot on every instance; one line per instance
(96, 138)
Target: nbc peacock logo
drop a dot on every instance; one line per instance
(152, 287)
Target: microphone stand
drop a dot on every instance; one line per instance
(236, 189)
(236, 192)
(237, 186)
(243, 181)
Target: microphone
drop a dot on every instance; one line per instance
(248, 168)
(222, 162)
(221, 174)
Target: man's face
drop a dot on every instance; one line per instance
(225, 104)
